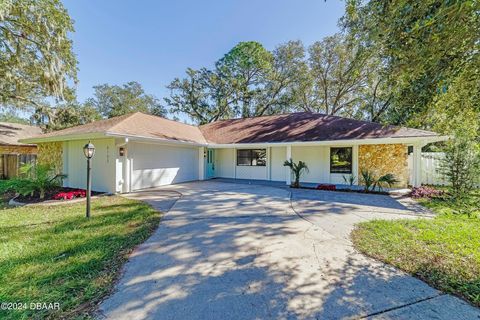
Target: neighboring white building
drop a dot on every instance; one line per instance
(138, 151)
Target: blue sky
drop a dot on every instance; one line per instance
(154, 41)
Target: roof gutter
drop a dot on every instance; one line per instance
(156, 140)
(67, 137)
(97, 135)
(4, 144)
(406, 140)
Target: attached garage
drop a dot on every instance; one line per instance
(103, 169)
(132, 152)
(156, 165)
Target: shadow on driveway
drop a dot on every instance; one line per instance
(240, 252)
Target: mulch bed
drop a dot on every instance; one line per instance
(49, 195)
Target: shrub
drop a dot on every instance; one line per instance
(34, 179)
(426, 192)
(4, 185)
(461, 165)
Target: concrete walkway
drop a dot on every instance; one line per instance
(241, 251)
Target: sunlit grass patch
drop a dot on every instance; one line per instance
(54, 254)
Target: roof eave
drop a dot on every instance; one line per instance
(155, 140)
(400, 140)
(5, 144)
(98, 135)
(66, 137)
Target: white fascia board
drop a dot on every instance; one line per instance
(408, 140)
(155, 140)
(67, 137)
(87, 136)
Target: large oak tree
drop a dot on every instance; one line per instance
(115, 100)
(248, 81)
(36, 57)
(426, 47)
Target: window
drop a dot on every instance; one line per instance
(341, 160)
(410, 150)
(209, 156)
(252, 157)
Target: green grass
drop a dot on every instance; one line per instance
(447, 206)
(444, 251)
(54, 254)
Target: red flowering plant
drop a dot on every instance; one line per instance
(328, 187)
(69, 195)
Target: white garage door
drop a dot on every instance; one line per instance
(158, 165)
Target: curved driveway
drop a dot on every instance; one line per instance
(240, 251)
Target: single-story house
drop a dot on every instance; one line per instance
(137, 151)
(13, 152)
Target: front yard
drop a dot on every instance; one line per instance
(55, 255)
(444, 251)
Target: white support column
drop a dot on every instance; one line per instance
(355, 163)
(234, 163)
(201, 163)
(130, 174)
(417, 165)
(269, 164)
(288, 173)
(126, 169)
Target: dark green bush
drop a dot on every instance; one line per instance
(33, 180)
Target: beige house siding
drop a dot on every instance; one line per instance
(51, 153)
(385, 158)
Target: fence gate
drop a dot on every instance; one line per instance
(10, 163)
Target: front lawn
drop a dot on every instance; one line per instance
(470, 204)
(55, 255)
(444, 251)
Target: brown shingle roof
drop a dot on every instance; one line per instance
(292, 127)
(10, 133)
(301, 126)
(140, 124)
(136, 124)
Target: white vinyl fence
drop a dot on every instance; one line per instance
(431, 162)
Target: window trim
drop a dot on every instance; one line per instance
(332, 170)
(251, 157)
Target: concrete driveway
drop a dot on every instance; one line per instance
(241, 251)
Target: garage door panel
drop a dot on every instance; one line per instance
(158, 165)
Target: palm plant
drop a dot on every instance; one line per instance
(297, 169)
(33, 179)
(371, 182)
(388, 179)
(368, 180)
(350, 179)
